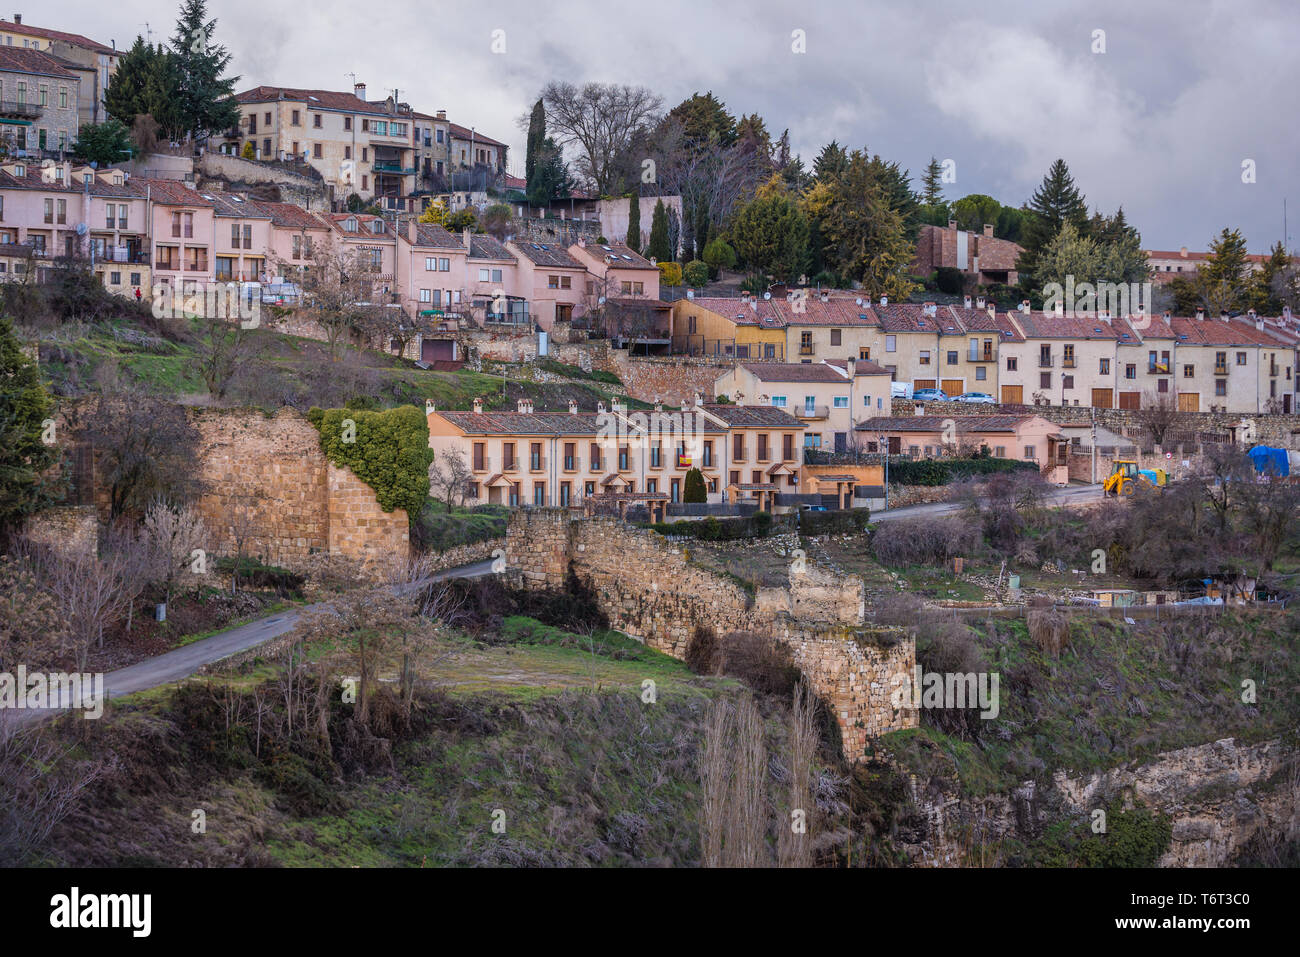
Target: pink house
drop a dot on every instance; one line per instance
(430, 270)
(370, 239)
(182, 224)
(242, 239)
(1028, 437)
(494, 282)
(618, 271)
(294, 235)
(554, 282)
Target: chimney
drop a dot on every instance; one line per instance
(600, 407)
(1223, 314)
(966, 301)
(699, 401)
(848, 367)
(573, 407)
(993, 310)
(359, 91)
(988, 229)
(659, 406)
(1024, 305)
(478, 405)
(979, 302)
(18, 18)
(1286, 313)
(442, 114)
(918, 408)
(952, 223)
(884, 300)
(739, 398)
(1200, 314)
(1058, 308)
(686, 406)
(465, 236)
(1168, 315)
(412, 231)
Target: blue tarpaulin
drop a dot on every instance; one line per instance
(1270, 460)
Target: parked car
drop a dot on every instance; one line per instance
(900, 390)
(980, 398)
(930, 395)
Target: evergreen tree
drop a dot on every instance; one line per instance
(1057, 201)
(830, 162)
(124, 98)
(24, 457)
(1223, 281)
(103, 143)
(695, 490)
(634, 222)
(703, 118)
(771, 235)
(536, 139)
(1275, 285)
(658, 248)
(932, 184)
(549, 179)
(207, 103)
(702, 224)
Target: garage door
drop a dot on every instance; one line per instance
(953, 386)
(1101, 398)
(1130, 400)
(437, 350)
(1013, 395)
(923, 384)
(1189, 402)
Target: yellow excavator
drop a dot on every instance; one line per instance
(1125, 477)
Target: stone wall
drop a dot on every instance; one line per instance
(650, 589)
(466, 554)
(305, 189)
(70, 531)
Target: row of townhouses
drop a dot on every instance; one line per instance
(1022, 357)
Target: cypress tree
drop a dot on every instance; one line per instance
(536, 139)
(634, 222)
(24, 406)
(659, 248)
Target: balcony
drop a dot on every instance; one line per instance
(813, 412)
(1157, 368)
(1221, 370)
(976, 356)
(1044, 362)
(805, 350)
(394, 169)
(536, 463)
(19, 110)
(1068, 362)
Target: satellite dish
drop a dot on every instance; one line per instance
(767, 295)
(81, 229)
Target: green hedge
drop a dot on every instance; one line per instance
(389, 452)
(712, 529)
(947, 471)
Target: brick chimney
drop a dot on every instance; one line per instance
(988, 230)
(573, 407)
(478, 405)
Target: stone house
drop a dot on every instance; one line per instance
(39, 103)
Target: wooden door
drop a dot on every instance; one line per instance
(953, 387)
(1189, 402)
(1101, 398)
(920, 384)
(1013, 395)
(1130, 400)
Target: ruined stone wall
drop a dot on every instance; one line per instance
(650, 589)
(268, 482)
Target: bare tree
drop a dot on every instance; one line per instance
(243, 523)
(40, 785)
(449, 477)
(32, 629)
(794, 843)
(172, 533)
(341, 290)
(601, 121)
(90, 594)
(225, 349)
(1158, 416)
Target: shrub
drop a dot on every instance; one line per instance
(249, 151)
(695, 490)
(670, 274)
(834, 523)
(949, 279)
(389, 451)
(945, 471)
(719, 255)
(924, 541)
(696, 273)
(713, 529)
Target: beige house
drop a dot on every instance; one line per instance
(1028, 437)
(829, 397)
(93, 62)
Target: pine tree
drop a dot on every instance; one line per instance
(830, 162)
(536, 139)
(207, 102)
(24, 457)
(124, 97)
(549, 179)
(932, 184)
(1275, 286)
(634, 222)
(1057, 201)
(1223, 280)
(659, 248)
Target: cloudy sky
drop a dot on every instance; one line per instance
(1161, 122)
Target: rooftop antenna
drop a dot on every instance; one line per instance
(148, 34)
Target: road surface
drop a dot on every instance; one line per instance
(182, 662)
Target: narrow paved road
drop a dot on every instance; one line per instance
(184, 661)
(1065, 497)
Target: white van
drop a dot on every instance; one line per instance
(900, 390)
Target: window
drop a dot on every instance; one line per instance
(496, 275)
(1241, 358)
(1029, 452)
(483, 275)
(347, 123)
(539, 493)
(594, 455)
(924, 358)
(63, 211)
(891, 343)
(49, 214)
(365, 180)
(835, 337)
(805, 343)
(121, 215)
(316, 150)
(347, 152)
(841, 401)
(1220, 386)
(1011, 363)
(315, 120)
(566, 282)
(738, 447)
(1044, 380)
(444, 265)
(864, 352)
(779, 401)
(981, 373)
(110, 213)
(1162, 385)
(952, 357)
(266, 148)
(426, 295)
(552, 282)
(293, 120)
(267, 117)
(1103, 367)
(1131, 371)
(1067, 382)
(430, 264)
(1189, 371)
(1068, 355)
(762, 447)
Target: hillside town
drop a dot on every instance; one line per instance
(358, 462)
